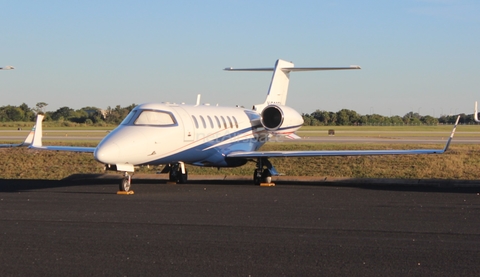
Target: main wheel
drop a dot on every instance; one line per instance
(266, 176)
(172, 176)
(257, 177)
(182, 178)
(125, 184)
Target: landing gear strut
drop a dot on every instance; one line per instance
(178, 173)
(261, 174)
(126, 182)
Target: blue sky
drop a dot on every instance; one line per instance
(416, 55)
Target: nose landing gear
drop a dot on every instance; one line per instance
(125, 184)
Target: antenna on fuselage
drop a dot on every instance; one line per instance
(198, 99)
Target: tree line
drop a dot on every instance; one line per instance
(347, 117)
(85, 115)
(344, 117)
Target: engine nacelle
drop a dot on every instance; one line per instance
(281, 119)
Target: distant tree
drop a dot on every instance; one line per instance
(429, 120)
(396, 120)
(29, 114)
(11, 113)
(40, 107)
(117, 114)
(63, 113)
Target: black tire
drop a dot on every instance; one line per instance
(257, 177)
(172, 176)
(182, 178)
(125, 184)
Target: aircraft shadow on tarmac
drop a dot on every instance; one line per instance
(423, 185)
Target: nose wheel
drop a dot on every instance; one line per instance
(126, 183)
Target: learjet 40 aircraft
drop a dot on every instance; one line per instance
(202, 135)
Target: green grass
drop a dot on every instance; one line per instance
(54, 126)
(460, 162)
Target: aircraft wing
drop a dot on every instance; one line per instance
(273, 154)
(10, 145)
(37, 141)
(28, 141)
(64, 148)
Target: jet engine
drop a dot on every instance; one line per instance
(281, 119)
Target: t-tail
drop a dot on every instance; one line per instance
(278, 90)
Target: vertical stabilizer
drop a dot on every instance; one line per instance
(277, 93)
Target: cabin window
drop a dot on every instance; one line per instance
(230, 121)
(195, 121)
(224, 123)
(218, 122)
(235, 120)
(155, 118)
(210, 120)
(203, 122)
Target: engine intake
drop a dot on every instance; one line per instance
(272, 117)
(281, 119)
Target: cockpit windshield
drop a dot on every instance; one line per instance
(150, 118)
(157, 118)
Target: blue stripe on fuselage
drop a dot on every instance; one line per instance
(214, 156)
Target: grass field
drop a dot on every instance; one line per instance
(460, 162)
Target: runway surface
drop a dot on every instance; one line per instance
(232, 228)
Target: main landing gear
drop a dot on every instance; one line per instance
(261, 174)
(178, 173)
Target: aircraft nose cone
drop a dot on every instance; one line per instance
(107, 153)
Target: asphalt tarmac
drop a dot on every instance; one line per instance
(232, 228)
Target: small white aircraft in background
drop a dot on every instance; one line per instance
(8, 67)
(202, 135)
(475, 113)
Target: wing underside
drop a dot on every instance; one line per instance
(275, 154)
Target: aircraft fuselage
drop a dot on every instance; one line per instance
(165, 133)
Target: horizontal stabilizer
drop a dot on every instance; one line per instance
(292, 69)
(278, 90)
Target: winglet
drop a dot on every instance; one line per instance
(38, 133)
(29, 139)
(451, 135)
(27, 142)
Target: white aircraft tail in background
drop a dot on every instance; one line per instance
(475, 113)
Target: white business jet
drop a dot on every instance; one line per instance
(202, 135)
